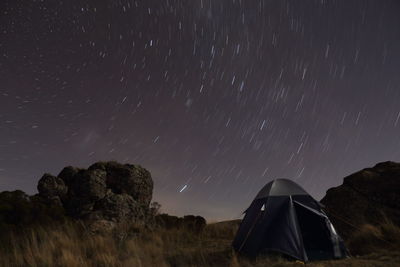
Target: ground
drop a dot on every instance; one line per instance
(71, 245)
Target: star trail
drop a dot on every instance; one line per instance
(214, 98)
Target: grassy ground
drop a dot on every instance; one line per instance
(71, 245)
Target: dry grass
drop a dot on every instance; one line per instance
(375, 239)
(70, 245)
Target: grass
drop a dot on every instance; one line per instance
(72, 245)
(375, 239)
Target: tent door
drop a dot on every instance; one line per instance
(316, 236)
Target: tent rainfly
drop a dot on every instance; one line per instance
(284, 218)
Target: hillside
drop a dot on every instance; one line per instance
(370, 196)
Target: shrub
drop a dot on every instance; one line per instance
(191, 223)
(18, 210)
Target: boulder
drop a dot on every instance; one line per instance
(89, 185)
(370, 196)
(50, 185)
(118, 208)
(104, 195)
(127, 179)
(52, 189)
(68, 173)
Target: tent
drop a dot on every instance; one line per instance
(284, 218)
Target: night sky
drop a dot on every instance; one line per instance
(214, 97)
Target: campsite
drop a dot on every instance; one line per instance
(199, 133)
(282, 226)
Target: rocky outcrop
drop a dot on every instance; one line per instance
(370, 196)
(104, 195)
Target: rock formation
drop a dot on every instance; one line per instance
(370, 196)
(104, 195)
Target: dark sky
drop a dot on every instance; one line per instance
(215, 98)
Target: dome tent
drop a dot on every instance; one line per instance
(286, 219)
